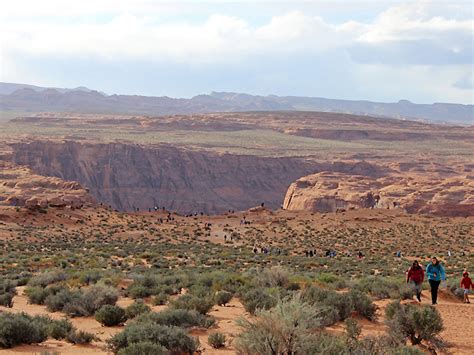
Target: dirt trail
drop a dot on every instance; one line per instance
(458, 319)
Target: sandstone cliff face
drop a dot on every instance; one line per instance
(19, 186)
(420, 192)
(130, 176)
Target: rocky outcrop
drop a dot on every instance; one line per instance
(19, 186)
(428, 192)
(130, 176)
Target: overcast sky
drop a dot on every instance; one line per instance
(376, 50)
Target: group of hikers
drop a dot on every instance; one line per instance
(435, 274)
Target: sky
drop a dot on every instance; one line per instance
(377, 50)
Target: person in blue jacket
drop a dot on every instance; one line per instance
(435, 274)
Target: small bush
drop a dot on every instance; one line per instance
(353, 329)
(110, 315)
(47, 278)
(414, 323)
(56, 302)
(322, 344)
(16, 329)
(217, 340)
(7, 286)
(135, 309)
(174, 339)
(160, 299)
(81, 337)
(177, 317)
(97, 296)
(275, 276)
(6, 300)
(280, 330)
(59, 329)
(138, 291)
(190, 302)
(362, 304)
(256, 299)
(223, 297)
(36, 295)
(144, 348)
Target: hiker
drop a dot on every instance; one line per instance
(435, 274)
(466, 285)
(415, 276)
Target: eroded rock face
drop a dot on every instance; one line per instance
(448, 194)
(129, 176)
(19, 186)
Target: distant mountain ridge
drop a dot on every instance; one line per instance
(30, 98)
(8, 88)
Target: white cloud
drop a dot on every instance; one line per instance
(137, 34)
(416, 36)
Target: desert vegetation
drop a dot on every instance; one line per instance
(144, 284)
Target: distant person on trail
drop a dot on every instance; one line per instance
(466, 285)
(415, 276)
(435, 274)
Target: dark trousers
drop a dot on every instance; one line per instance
(434, 290)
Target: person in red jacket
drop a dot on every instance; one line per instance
(415, 276)
(466, 284)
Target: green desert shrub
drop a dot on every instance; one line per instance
(143, 348)
(56, 302)
(7, 286)
(276, 276)
(280, 330)
(90, 277)
(16, 329)
(174, 339)
(321, 343)
(80, 337)
(382, 288)
(59, 329)
(190, 302)
(97, 296)
(7, 292)
(109, 315)
(362, 304)
(160, 299)
(223, 297)
(47, 278)
(258, 298)
(341, 304)
(336, 306)
(217, 340)
(138, 291)
(414, 323)
(36, 294)
(6, 300)
(136, 308)
(177, 317)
